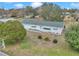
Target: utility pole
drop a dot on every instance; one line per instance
(3, 43)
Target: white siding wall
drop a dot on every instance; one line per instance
(58, 31)
(55, 30)
(29, 26)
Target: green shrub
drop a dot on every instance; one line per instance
(72, 36)
(55, 41)
(39, 37)
(46, 39)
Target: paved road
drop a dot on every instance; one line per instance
(3, 54)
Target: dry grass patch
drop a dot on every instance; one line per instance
(34, 50)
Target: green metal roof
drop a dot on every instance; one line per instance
(43, 23)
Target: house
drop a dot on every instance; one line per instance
(38, 17)
(6, 19)
(66, 13)
(44, 26)
(76, 15)
(3, 20)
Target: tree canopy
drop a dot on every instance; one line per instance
(50, 11)
(12, 31)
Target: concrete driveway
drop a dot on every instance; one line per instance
(3, 54)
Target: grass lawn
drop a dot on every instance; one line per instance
(27, 48)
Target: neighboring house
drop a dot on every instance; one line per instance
(44, 26)
(6, 19)
(76, 15)
(66, 13)
(3, 20)
(38, 17)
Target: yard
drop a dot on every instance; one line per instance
(30, 48)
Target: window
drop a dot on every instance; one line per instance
(33, 26)
(34, 29)
(47, 28)
(55, 28)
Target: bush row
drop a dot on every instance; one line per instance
(47, 39)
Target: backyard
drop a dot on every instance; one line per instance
(29, 48)
(22, 42)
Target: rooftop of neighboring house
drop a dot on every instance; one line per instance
(77, 13)
(43, 23)
(6, 19)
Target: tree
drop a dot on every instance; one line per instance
(13, 12)
(72, 36)
(30, 11)
(50, 11)
(12, 32)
